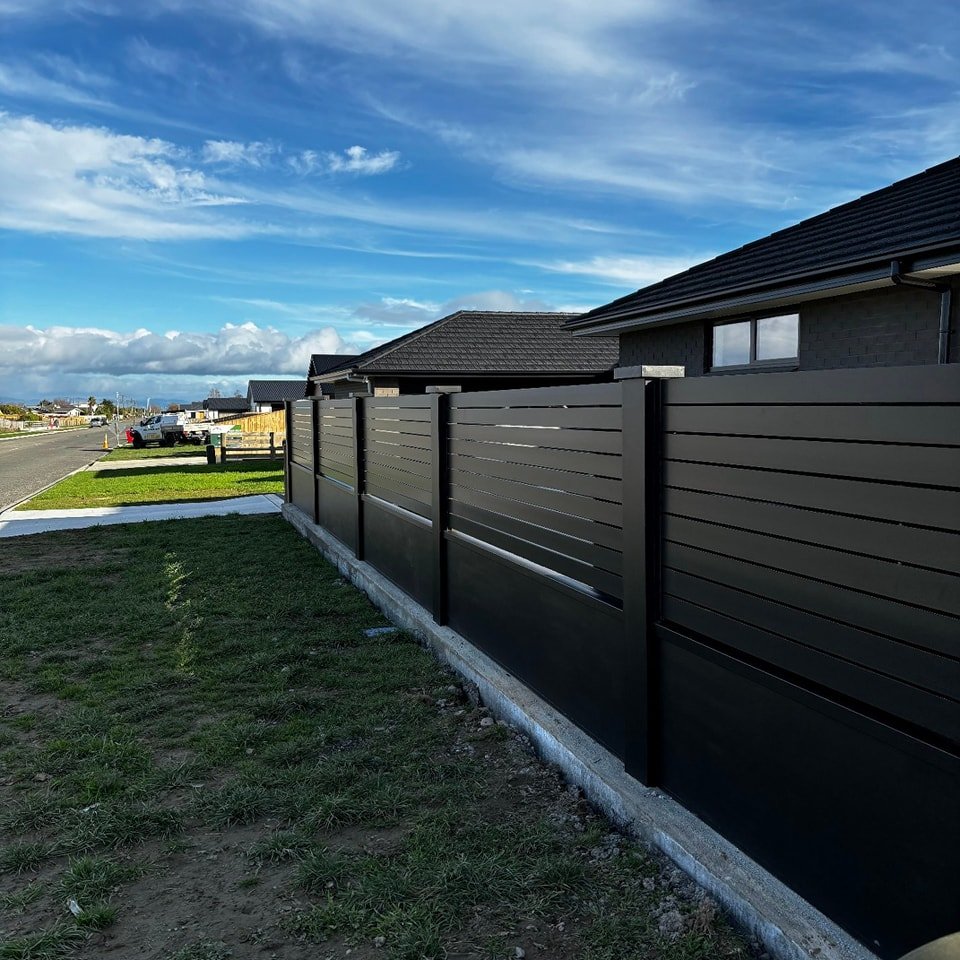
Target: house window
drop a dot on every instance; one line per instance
(758, 342)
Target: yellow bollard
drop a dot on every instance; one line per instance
(106, 446)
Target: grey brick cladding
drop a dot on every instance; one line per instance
(889, 327)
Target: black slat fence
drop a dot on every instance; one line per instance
(746, 587)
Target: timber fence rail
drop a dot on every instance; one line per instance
(746, 587)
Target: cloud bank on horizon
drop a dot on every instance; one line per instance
(257, 180)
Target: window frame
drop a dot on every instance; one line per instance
(777, 363)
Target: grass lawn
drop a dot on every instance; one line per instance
(202, 748)
(152, 453)
(117, 488)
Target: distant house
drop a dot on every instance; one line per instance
(264, 396)
(869, 283)
(216, 407)
(473, 350)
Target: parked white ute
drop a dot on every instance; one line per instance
(164, 428)
(167, 429)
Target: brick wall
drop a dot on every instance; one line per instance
(889, 327)
(886, 328)
(683, 344)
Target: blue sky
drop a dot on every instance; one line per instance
(192, 194)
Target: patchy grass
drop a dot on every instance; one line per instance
(115, 488)
(215, 764)
(154, 453)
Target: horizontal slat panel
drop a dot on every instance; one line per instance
(341, 455)
(404, 439)
(334, 431)
(398, 480)
(415, 427)
(921, 384)
(580, 395)
(596, 464)
(410, 401)
(401, 450)
(916, 505)
(602, 488)
(328, 465)
(928, 588)
(595, 441)
(551, 519)
(328, 442)
(573, 504)
(892, 541)
(592, 418)
(386, 481)
(918, 707)
(333, 472)
(398, 499)
(407, 414)
(934, 425)
(418, 467)
(597, 556)
(337, 407)
(922, 628)
(899, 660)
(934, 466)
(591, 576)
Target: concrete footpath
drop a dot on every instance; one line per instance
(20, 523)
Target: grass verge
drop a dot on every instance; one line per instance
(166, 484)
(202, 748)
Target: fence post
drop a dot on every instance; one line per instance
(439, 423)
(642, 430)
(358, 474)
(273, 447)
(288, 429)
(223, 448)
(315, 456)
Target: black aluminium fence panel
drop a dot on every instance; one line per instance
(754, 600)
(811, 611)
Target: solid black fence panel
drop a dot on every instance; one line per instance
(300, 453)
(534, 513)
(337, 471)
(398, 500)
(811, 557)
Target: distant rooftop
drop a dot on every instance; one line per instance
(481, 342)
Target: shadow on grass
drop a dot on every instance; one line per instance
(190, 469)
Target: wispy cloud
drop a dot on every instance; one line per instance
(93, 182)
(231, 153)
(633, 271)
(356, 160)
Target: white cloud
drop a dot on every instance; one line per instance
(632, 271)
(232, 153)
(354, 160)
(236, 349)
(93, 182)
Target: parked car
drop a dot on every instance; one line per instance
(98, 421)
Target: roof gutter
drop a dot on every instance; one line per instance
(899, 279)
(808, 281)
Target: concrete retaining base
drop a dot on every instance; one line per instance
(787, 926)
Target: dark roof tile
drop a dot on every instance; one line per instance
(275, 391)
(913, 215)
(491, 342)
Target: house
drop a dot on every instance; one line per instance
(265, 396)
(320, 363)
(869, 283)
(473, 350)
(216, 407)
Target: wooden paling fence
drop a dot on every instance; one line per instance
(275, 423)
(746, 587)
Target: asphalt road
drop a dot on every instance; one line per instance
(31, 463)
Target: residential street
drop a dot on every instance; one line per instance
(31, 463)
